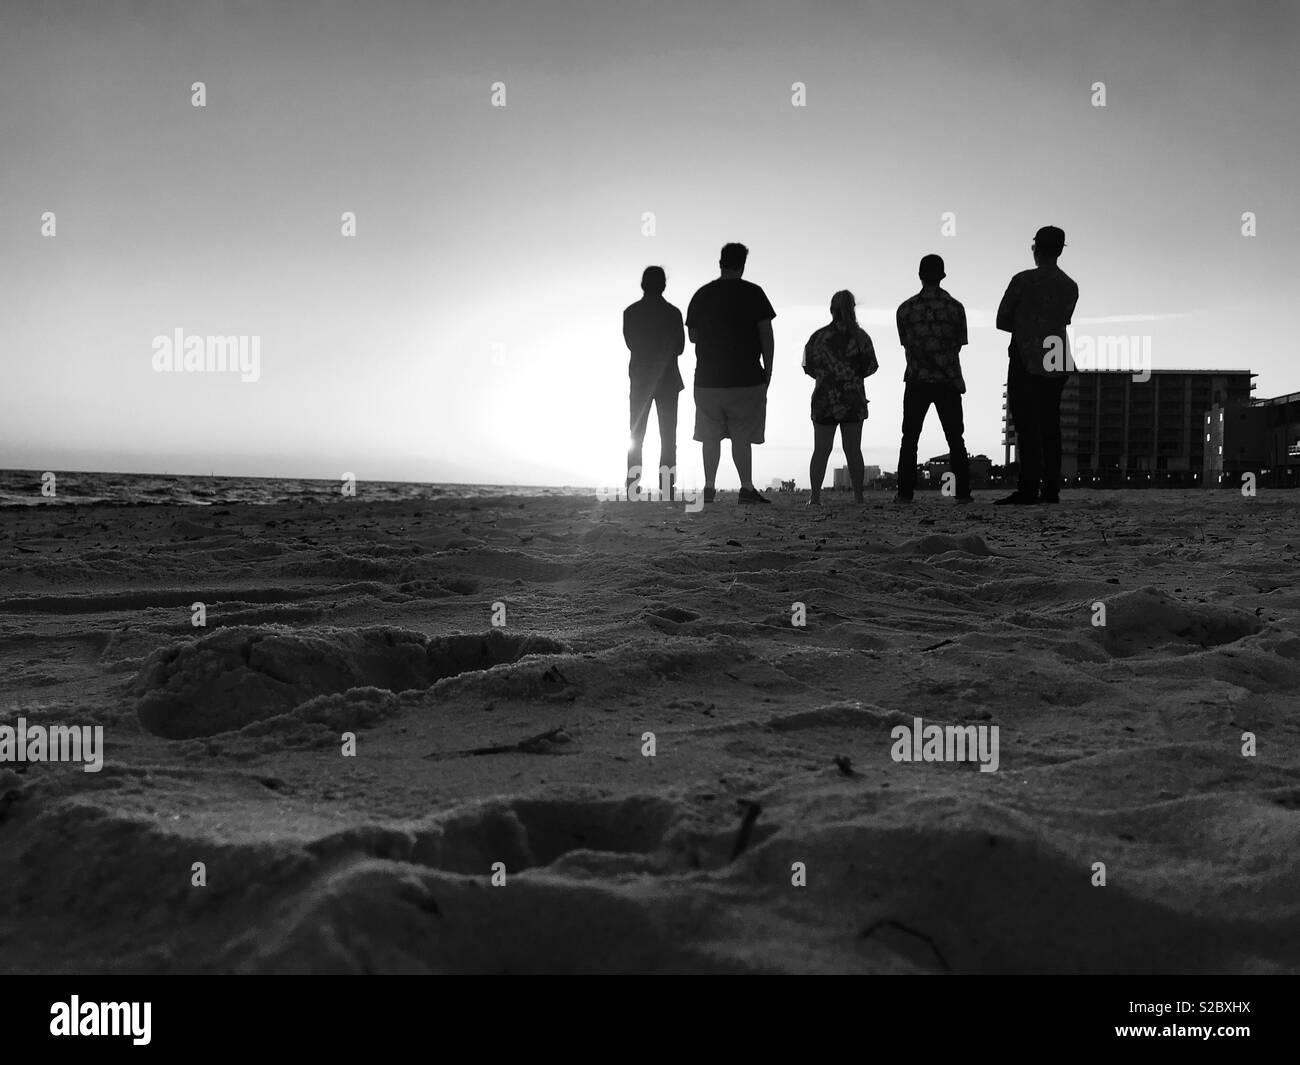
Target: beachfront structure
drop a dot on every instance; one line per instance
(930, 473)
(1260, 437)
(1118, 431)
(843, 481)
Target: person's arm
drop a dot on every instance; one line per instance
(627, 332)
(962, 339)
(869, 362)
(809, 359)
(1007, 308)
(692, 319)
(678, 337)
(902, 339)
(767, 347)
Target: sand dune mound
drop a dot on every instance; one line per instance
(370, 898)
(941, 543)
(522, 833)
(1162, 744)
(1147, 620)
(978, 895)
(239, 675)
(379, 917)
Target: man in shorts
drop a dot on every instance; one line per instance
(729, 321)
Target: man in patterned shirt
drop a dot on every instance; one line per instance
(1035, 310)
(932, 330)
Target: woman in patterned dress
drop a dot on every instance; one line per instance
(838, 357)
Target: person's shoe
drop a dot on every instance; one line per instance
(752, 495)
(1053, 498)
(710, 494)
(963, 500)
(906, 500)
(1016, 499)
(814, 503)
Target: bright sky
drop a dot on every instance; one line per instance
(518, 230)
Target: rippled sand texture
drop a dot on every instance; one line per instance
(522, 745)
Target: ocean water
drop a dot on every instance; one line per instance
(24, 488)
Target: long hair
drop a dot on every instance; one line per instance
(844, 309)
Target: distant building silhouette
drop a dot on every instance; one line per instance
(843, 481)
(932, 470)
(1118, 432)
(1260, 437)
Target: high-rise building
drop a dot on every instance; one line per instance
(1261, 437)
(1116, 430)
(842, 479)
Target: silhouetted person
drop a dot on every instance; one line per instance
(730, 324)
(1037, 307)
(932, 330)
(838, 357)
(652, 329)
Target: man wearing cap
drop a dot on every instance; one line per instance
(932, 330)
(1035, 310)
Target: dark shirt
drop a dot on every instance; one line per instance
(1038, 304)
(932, 330)
(652, 330)
(725, 314)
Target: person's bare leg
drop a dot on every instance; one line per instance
(823, 441)
(743, 456)
(851, 439)
(712, 457)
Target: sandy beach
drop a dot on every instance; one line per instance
(771, 830)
